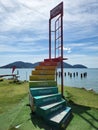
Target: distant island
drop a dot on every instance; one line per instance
(20, 64)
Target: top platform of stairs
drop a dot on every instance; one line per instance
(59, 59)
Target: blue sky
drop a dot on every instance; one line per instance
(24, 31)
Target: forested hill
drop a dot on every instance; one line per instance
(20, 64)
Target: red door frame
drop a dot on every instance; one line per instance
(58, 10)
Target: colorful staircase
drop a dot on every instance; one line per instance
(45, 100)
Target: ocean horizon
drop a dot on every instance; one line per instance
(89, 82)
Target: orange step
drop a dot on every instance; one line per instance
(45, 67)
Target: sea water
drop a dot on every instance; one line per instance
(88, 82)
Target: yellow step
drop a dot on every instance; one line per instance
(42, 77)
(43, 72)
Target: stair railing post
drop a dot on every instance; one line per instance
(49, 38)
(62, 86)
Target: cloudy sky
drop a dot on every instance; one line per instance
(24, 31)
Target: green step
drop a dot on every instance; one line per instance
(46, 99)
(41, 77)
(50, 108)
(43, 91)
(61, 119)
(51, 83)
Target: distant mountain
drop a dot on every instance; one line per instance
(20, 64)
(79, 66)
(66, 65)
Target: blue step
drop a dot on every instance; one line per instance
(43, 91)
(51, 108)
(61, 118)
(46, 99)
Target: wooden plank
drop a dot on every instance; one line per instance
(43, 72)
(47, 63)
(50, 109)
(41, 77)
(42, 100)
(60, 116)
(43, 91)
(58, 59)
(45, 67)
(47, 83)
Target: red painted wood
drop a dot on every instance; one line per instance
(47, 63)
(59, 59)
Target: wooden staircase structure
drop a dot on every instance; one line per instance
(45, 99)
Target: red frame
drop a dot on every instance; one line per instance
(58, 10)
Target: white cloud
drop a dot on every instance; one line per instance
(93, 48)
(24, 26)
(67, 49)
(26, 58)
(89, 61)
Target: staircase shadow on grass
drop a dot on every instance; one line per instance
(39, 122)
(80, 110)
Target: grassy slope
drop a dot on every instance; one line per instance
(85, 109)
(11, 93)
(15, 111)
(81, 96)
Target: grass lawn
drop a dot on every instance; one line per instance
(15, 113)
(84, 105)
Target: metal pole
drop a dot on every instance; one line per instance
(49, 38)
(55, 39)
(62, 86)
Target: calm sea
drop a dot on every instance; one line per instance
(89, 82)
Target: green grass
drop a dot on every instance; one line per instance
(11, 93)
(14, 109)
(82, 96)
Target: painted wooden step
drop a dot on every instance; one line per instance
(45, 67)
(61, 118)
(53, 59)
(43, 91)
(47, 99)
(58, 59)
(33, 84)
(47, 63)
(50, 108)
(43, 72)
(41, 77)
